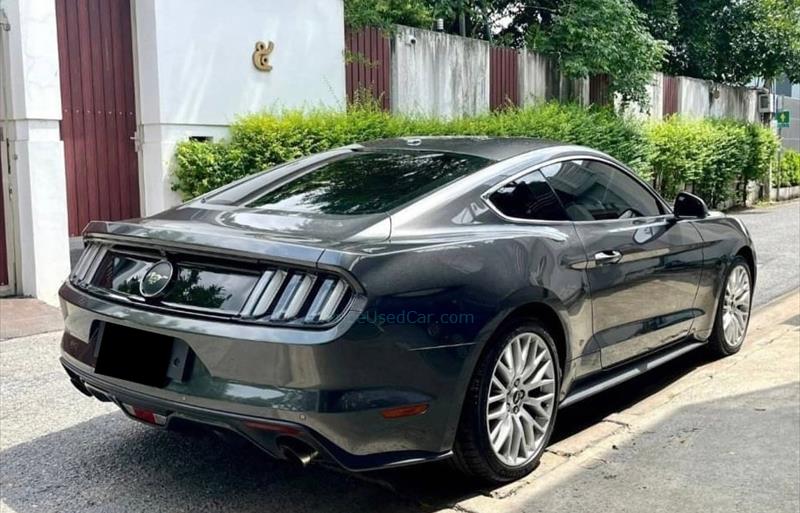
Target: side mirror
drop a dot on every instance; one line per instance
(689, 206)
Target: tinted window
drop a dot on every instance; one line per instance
(591, 190)
(368, 182)
(528, 197)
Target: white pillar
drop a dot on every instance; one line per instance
(36, 153)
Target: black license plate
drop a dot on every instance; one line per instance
(133, 355)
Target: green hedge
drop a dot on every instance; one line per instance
(789, 171)
(710, 155)
(259, 141)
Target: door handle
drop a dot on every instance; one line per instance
(607, 257)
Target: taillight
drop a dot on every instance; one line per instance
(283, 296)
(268, 293)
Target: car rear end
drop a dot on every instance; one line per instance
(245, 310)
(253, 337)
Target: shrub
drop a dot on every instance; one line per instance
(709, 155)
(789, 171)
(260, 141)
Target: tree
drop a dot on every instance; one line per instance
(384, 13)
(736, 41)
(603, 37)
(660, 17)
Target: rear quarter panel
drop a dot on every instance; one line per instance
(443, 299)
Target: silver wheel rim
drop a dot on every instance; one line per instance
(521, 399)
(736, 306)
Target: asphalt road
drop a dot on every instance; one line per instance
(63, 452)
(776, 234)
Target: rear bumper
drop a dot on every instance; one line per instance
(327, 388)
(269, 435)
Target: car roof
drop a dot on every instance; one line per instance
(490, 148)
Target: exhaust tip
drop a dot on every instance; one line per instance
(298, 453)
(77, 383)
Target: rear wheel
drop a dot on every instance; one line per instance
(733, 311)
(511, 405)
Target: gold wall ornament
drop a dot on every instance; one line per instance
(261, 55)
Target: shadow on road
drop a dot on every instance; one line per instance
(113, 464)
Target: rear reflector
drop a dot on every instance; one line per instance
(268, 426)
(148, 416)
(404, 411)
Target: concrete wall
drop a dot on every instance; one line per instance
(540, 80)
(654, 109)
(437, 74)
(195, 72)
(693, 99)
(31, 115)
(734, 102)
(701, 98)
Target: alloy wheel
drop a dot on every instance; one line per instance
(736, 306)
(521, 399)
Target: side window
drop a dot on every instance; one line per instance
(529, 197)
(591, 190)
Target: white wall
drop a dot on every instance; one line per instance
(195, 71)
(30, 62)
(734, 102)
(655, 100)
(436, 74)
(693, 99)
(702, 98)
(534, 70)
(540, 80)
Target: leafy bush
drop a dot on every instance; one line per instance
(709, 155)
(260, 141)
(789, 172)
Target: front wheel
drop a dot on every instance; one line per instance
(733, 310)
(511, 403)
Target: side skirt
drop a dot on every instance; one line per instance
(615, 376)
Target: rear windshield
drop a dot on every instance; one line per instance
(367, 182)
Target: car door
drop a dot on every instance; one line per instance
(643, 267)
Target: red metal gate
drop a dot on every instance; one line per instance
(503, 77)
(670, 99)
(599, 92)
(97, 97)
(367, 65)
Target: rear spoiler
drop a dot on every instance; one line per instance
(189, 237)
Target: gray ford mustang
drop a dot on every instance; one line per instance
(403, 300)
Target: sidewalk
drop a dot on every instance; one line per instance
(20, 317)
(724, 437)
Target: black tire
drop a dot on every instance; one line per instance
(717, 344)
(472, 451)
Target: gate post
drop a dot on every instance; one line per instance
(31, 117)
